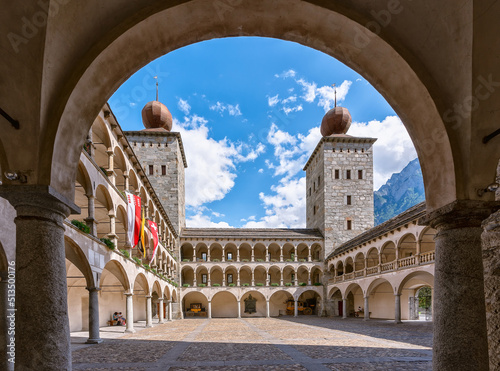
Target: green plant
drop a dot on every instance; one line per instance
(185, 285)
(232, 285)
(126, 253)
(216, 285)
(104, 171)
(275, 284)
(202, 285)
(302, 284)
(274, 260)
(318, 284)
(215, 260)
(288, 284)
(137, 260)
(289, 260)
(302, 260)
(154, 271)
(245, 260)
(259, 260)
(81, 226)
(146, 266)
(185, 260)
(110, 244)
(245, 284)
(259, 284)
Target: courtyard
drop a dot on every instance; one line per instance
(285, 343)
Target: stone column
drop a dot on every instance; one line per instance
(268, 311)
(112, 230)
(129, 309)
(223, 254)
(209, 309)
(296, 308)
(367, 309)
(94, 337)
(126, 180)
(42, 326)
(110, 172)
(491, 262)
(344, 308)
(295, 257)
(238, 254)
(309, 256)
(281, 277)
(309, 278)
(90, 219)
(460, 337)
(281, 253)
(252, 259)
(160, 312)
(209, 283)
(169, 310)
(194, 255)
(149, 312)
(239, 308)
(208, 255)
(397, 308)
(267, 254)
(253, 278)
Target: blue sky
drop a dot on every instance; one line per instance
(249, 111)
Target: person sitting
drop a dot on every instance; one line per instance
(121, 321)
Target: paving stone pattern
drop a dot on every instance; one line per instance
(305, 343)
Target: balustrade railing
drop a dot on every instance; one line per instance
(386, 267)
(372, 270)
(407, 262)
(427, 257)
(359, 274)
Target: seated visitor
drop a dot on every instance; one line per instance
(121, 321)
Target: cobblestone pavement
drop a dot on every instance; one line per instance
(277, 344)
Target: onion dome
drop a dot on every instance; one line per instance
(156, 115)
(336, 121)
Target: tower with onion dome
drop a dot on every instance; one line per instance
(339, 182)
(161, 154)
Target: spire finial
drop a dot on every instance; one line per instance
(334, 88)
(156, 78)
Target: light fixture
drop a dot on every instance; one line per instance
(490, 188)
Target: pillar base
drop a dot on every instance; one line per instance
(133, 331)
(94, 341)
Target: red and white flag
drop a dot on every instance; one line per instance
(154, 233)
(133, 218)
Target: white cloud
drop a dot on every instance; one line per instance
(261, 171)
(222, 107)
(286, 74)
(218, 215)
(393, 149)
(290, 99)
(212, 164)
(327, 94)
(289, 110)
(286, 208)
(184, 106)
(132, 104)
(278, 137)
(309, 90)
(272, 101)
(199, 220)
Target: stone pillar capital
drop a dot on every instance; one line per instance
(148, 296)
(37, 200)
(93, 289)
(460, 214)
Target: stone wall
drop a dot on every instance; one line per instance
(342, 154)
(163, 151)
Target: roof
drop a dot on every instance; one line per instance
(413, 213)
(251, 233)
(340, 138)
(159, 133)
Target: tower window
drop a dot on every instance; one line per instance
(163, 169)
(315, 208)
(314, 186)
(310, 192)
(348, 174)
(337, 174)
(349, 224)
(349, 200)
(151, 170)
(319, 179)
(360, 174)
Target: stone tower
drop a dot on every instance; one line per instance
(339, 181)
(161, 154)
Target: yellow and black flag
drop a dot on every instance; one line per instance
(141, 244)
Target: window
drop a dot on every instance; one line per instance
(349, 224)
(337, 174)
(310, 191)
(229, 278)
(204, 257)
(163, 169)
(229, 256)
(204, 278)
(269, 278)
(151, 170)
(360, 174)
(314, 187)
(314, 209)
(319, 179)
(348, 200)
(348, 174)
